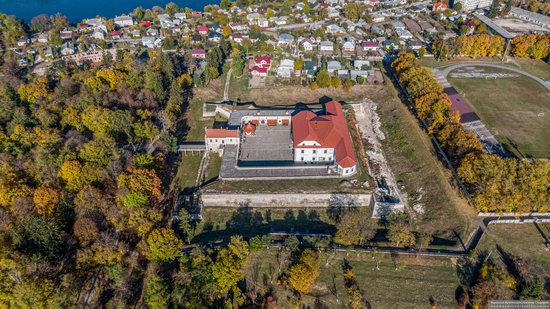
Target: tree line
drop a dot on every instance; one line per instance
(535, 46)
(498, 184)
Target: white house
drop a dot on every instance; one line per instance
(151, 42)
(124, 21)
(333, 65)
(67, 48)
(285, 69)
(326, 46)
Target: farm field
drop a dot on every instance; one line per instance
(517, 111)
(400, 282)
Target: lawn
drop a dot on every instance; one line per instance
(213, 167)
(520, 240)
(412, 159)
(220, 223)
(187, 172)
(411, 285)
(195, 122)
(516, 110)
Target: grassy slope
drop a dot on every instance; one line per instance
(511, 111)
(410, 286)
(411, 157)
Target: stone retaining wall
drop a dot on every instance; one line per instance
(299, 200)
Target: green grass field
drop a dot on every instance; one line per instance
(516, 110)
(188, 169)
(411, 157)
(411, 285)
(220, 223)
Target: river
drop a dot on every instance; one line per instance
(76, 10)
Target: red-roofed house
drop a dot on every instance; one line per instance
(146, 23)
(439, 7)
(263, 62)
(258, 71)
(324, 138)
(216, 138)
(198, 53)
(370, 46)
(203, 30)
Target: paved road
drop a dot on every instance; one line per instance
(295, 26)
(445, 71)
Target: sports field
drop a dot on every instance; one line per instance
(516, 110)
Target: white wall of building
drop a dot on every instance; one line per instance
(314, 155)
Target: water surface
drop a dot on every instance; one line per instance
(76, 10)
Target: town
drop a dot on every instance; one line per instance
(277, 154)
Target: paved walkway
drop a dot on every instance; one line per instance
(445, 71)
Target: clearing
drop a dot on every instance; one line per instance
(516, 110)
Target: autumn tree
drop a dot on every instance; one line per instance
(164, 245)
(229, 262)
(46, 198)
(354, 228)
(304, 272)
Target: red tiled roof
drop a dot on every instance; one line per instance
(329, 130)
(221, 133)
(259, 59)
(259, 69)
(202, 28)
(249, 128)
(370, 44)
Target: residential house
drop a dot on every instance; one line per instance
(124, 21)
(43, 37)
(307, 45)
(259, 71)
(263, 62)
(286, 68)
(66, 34)
(285, 39)
(361, 64)
(358, 73)
(263, 22)
(214, 37)
(22, 42)
(370, 46)
(439, 7)
(202, 29)
(335, 29)
(99, 34)
(348, 47)
(198, 53)
(311, 68)
(67, 49)
(333, 66)
(332, 12)
(151, 42)
(326, 47)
